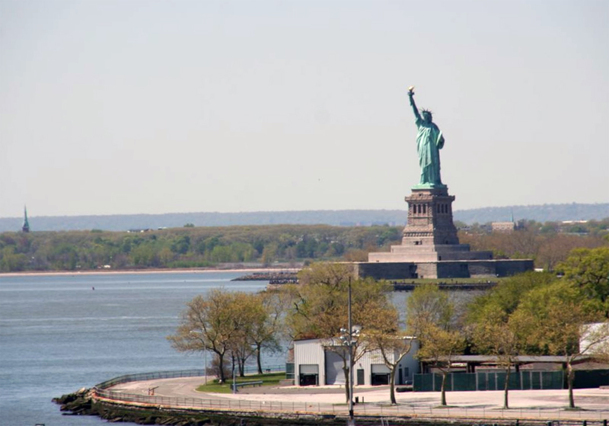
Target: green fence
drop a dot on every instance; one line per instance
(591, 379)
(490, 381)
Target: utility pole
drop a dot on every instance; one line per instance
(351, 419)
(348, 336)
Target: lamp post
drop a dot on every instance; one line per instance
(234, 378)
(347, 336)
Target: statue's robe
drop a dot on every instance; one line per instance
(429, 143)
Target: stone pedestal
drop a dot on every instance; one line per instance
(430, 246)
(430, 218)
(430, 234)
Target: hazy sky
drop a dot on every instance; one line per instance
(185, 106)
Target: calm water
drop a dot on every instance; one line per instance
(57, 335)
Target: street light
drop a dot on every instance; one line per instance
(348, 338)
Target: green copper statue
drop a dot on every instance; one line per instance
(429, 143)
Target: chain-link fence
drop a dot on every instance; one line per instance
(140, 377)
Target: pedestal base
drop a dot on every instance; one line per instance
(430, 246)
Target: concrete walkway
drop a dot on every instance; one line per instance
(531, 404)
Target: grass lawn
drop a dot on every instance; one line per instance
(271, 379)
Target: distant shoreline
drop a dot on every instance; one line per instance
(142, 271)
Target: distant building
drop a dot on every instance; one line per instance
(26, 223)
(503, 226)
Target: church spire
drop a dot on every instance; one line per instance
(26, 224)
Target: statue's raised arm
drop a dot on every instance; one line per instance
(429, 143)
(414, 106)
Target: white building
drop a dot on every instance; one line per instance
(316, 364)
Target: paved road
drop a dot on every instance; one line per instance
(542, 404)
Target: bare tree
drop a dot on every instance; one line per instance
(392, 343)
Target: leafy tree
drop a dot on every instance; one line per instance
(393, 344)
(494, 330)
(248, 314)
(320, 309)
(234, 324)
(504, 298)
(553, 318)
(166, 256)
(430, 320)
(439, 346)
(144, 255)
(589, 270)
(268, 254)
(11, 261)
(181, 245)
(210, 323)
(356, 256)
(64, 257)
(266, 323)
(503, 339)
(428, 304)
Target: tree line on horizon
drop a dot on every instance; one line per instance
(191, 247)
(187, 247)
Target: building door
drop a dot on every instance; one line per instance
(380, 374)
(334, 369)
(360, 376)
(309, 375)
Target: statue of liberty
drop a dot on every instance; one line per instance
(429, 143)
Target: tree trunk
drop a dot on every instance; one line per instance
(392, 386)
(506, 387)
(259, 358)
(347, 388)
(241, 363)
(443, 389)
(570, 377)
(221, 378)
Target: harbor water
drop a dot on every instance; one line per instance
(63, 332)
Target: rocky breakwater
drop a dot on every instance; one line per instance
(274, 278)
